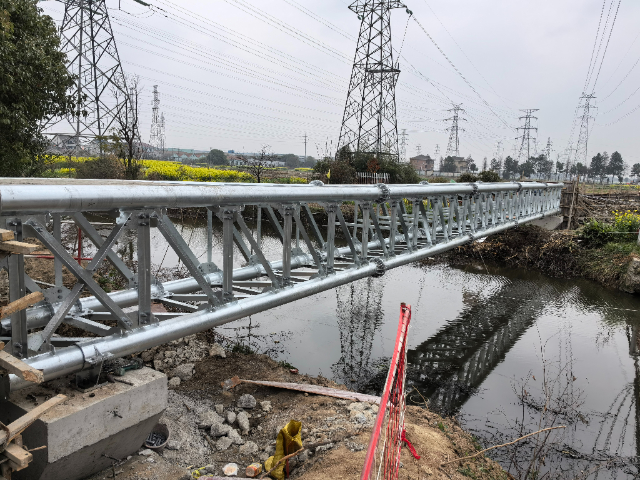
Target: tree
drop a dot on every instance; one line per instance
(449, 165)
(635, 170)
(616, 166)
(527, 168)
(216, 157)
(598, 167)
(258, 166)
(559, 167)
(496, 165)
(291, 160)
(473, 167)
(309, 162)
(124, 140)
(34, 85)
(510, 167)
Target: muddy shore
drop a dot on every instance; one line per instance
(197, 399)
(560, 254)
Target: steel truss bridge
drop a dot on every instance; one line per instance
(395, 225)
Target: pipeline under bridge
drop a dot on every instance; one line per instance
(393, 225)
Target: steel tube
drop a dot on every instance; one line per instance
(71, 198)
(69, 360)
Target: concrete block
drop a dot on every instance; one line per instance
(548, 223)
(110, 421)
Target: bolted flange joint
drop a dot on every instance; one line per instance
(386, 193)
(317, 183)
(380, 268)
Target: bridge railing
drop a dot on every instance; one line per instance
(381, 226)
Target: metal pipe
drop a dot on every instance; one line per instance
(69, 360)
(71, 198)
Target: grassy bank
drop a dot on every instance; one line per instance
(556, 253)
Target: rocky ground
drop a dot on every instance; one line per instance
(211, 427)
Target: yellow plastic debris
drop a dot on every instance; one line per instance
(289, 441)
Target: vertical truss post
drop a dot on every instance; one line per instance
(287, 213)
(57, 234)
(394, 227)
(209, 236)
(144, 269)
(355, 221)
(17, 290)
(228, 218)
(259, 227)
(416, 220)
(366, 221)
(331, 235)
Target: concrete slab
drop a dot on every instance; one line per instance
(548, 223)
(81, 434)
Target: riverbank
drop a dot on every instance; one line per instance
(251, 416)
(562, 254)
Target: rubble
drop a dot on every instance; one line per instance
(247, 401)
(184, 372)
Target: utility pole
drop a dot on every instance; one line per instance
(453, 147)
(525, 138)
(305, 146)
(582, 148)
(403, 145)
(369, 124)
(87, 40)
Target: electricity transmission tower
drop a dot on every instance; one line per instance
(418, 150)
(437, 152)
(525, 138)
(582, 148)
(547, 150)
(87, 39)
(498, 154)
(403, 145)
(453, 147)
(157, 123)
(369, 124)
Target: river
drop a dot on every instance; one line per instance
(506, 351)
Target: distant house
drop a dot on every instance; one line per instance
(462, 164)
(422, 164)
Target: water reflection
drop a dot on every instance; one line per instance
(450, 366)
(359, 316)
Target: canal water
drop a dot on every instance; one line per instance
(508, 352)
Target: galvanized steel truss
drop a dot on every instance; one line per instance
(394, 225)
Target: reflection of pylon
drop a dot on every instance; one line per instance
(525, 138)
(582, 148)
(87, 39)
(369, 123)
(453, 147)
(403, 145)
(360, 316)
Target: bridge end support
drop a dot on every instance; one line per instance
(81, 434)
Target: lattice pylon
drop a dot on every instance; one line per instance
(87, 38)
(369, 124)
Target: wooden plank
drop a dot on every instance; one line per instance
(18, 455)
(1, 346)
(18, 247)
(21, 304)
(17, 427)
(18, 367)
(318, 390)
(6, 235)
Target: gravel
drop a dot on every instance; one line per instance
(247, 401)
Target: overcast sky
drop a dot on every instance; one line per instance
(239, 74)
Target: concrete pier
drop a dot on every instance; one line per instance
(81, 434)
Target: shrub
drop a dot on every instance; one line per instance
(107, 167)
(626, 222)
(489, 176)
(596, 234)
(439, 180)
(467, 177)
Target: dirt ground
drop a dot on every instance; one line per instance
(345, 425)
